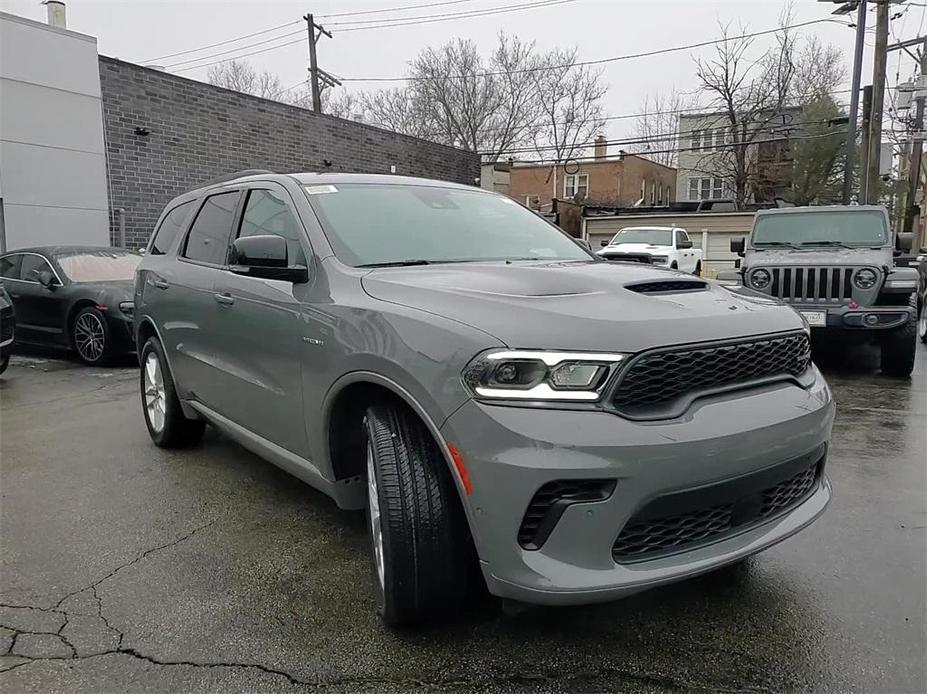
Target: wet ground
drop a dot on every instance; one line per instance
(126, 568)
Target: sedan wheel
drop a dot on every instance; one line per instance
(90, 336)
(376, 529)
(154, 392)
(922, 323)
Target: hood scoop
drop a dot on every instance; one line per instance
(675, 286)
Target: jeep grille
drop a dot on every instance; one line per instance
(813, 284)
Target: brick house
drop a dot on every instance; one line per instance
(620, 181)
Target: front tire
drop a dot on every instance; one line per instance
(419, 543)
(899, 348)
(167, 425)
(5, 362)
(698, 269)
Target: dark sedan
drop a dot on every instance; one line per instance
(7, 327)
(73, 296)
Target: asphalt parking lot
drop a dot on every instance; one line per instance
(126, 568)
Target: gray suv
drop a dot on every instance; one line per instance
(493, 394)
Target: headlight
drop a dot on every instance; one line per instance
(865, 278)
(760, 279)
(127, 307)
(530, 375)
(658, 259)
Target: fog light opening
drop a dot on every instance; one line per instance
(871, 319)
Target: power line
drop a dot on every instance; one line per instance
(395, 9)
(600, 61)
(234, 50)
(449, 15)
(461, 15)
(243, 55)
(222, 43)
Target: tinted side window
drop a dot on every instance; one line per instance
(209, 236)
(170, 226)
(9, 266)
(267, 213)
(32, 266)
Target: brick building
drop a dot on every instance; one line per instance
(166, 134)
(620, 181)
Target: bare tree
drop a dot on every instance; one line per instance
(569, 100)
(240, 76)
(658, 127)
(485, 106)
(398, 109)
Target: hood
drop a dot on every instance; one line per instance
(635, 248)
(579, 306)
(818, 256)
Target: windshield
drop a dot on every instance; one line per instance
(657, 237)
(99, 266)
(373, 224)
(838, 227)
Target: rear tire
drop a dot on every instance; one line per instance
(91, 337)
(899, 348)
(167, 425)
(420, 548)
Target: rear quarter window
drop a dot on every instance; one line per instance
(170, 226)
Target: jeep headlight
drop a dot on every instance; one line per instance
(760, 279)
(865, 278)
(545, 376)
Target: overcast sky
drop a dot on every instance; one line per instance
(142, 31)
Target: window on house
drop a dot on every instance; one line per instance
(653, 194)
(706, 188)
(696, 140)
(669, 195)
(720, 137)
(659, 195)
(576, 184)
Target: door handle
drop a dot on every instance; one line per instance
(224, 299)
(159, 283)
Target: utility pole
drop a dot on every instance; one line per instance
(917, 150)
(865, 146)
(878, 98)
(850, 149)
(317, 74)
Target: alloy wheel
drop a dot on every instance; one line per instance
(376, 529)
(922, 322)
(89, 337)
(154, 392)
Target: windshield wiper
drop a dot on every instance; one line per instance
(826, 243)
(399, 263)
(760, 244)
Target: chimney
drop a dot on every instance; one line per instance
(601, 146)
(57, 14)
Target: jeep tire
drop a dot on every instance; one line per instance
(899, 347)
(922, 321)
(419, 545)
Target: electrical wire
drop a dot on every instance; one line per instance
(462, 15)
(449, 15)
(601, 61)
(394, 9)
(223, 43)
(301, 32)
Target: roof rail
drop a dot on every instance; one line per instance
(225, 178)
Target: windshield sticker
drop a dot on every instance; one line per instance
(318, 190)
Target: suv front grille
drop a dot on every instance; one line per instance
(818, 284)
(657, 384)
(712, 513)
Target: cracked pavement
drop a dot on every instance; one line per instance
(125, 568)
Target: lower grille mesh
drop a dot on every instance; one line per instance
(648, 535)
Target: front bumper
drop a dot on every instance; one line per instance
(862, 318)
(511, 452)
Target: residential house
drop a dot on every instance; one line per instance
(622, 180)
(704, 169)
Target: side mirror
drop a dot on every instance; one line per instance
(46, 279)
(738, 246)
(604, 243)
(265, 256)
(904, 240)
(684, 244)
